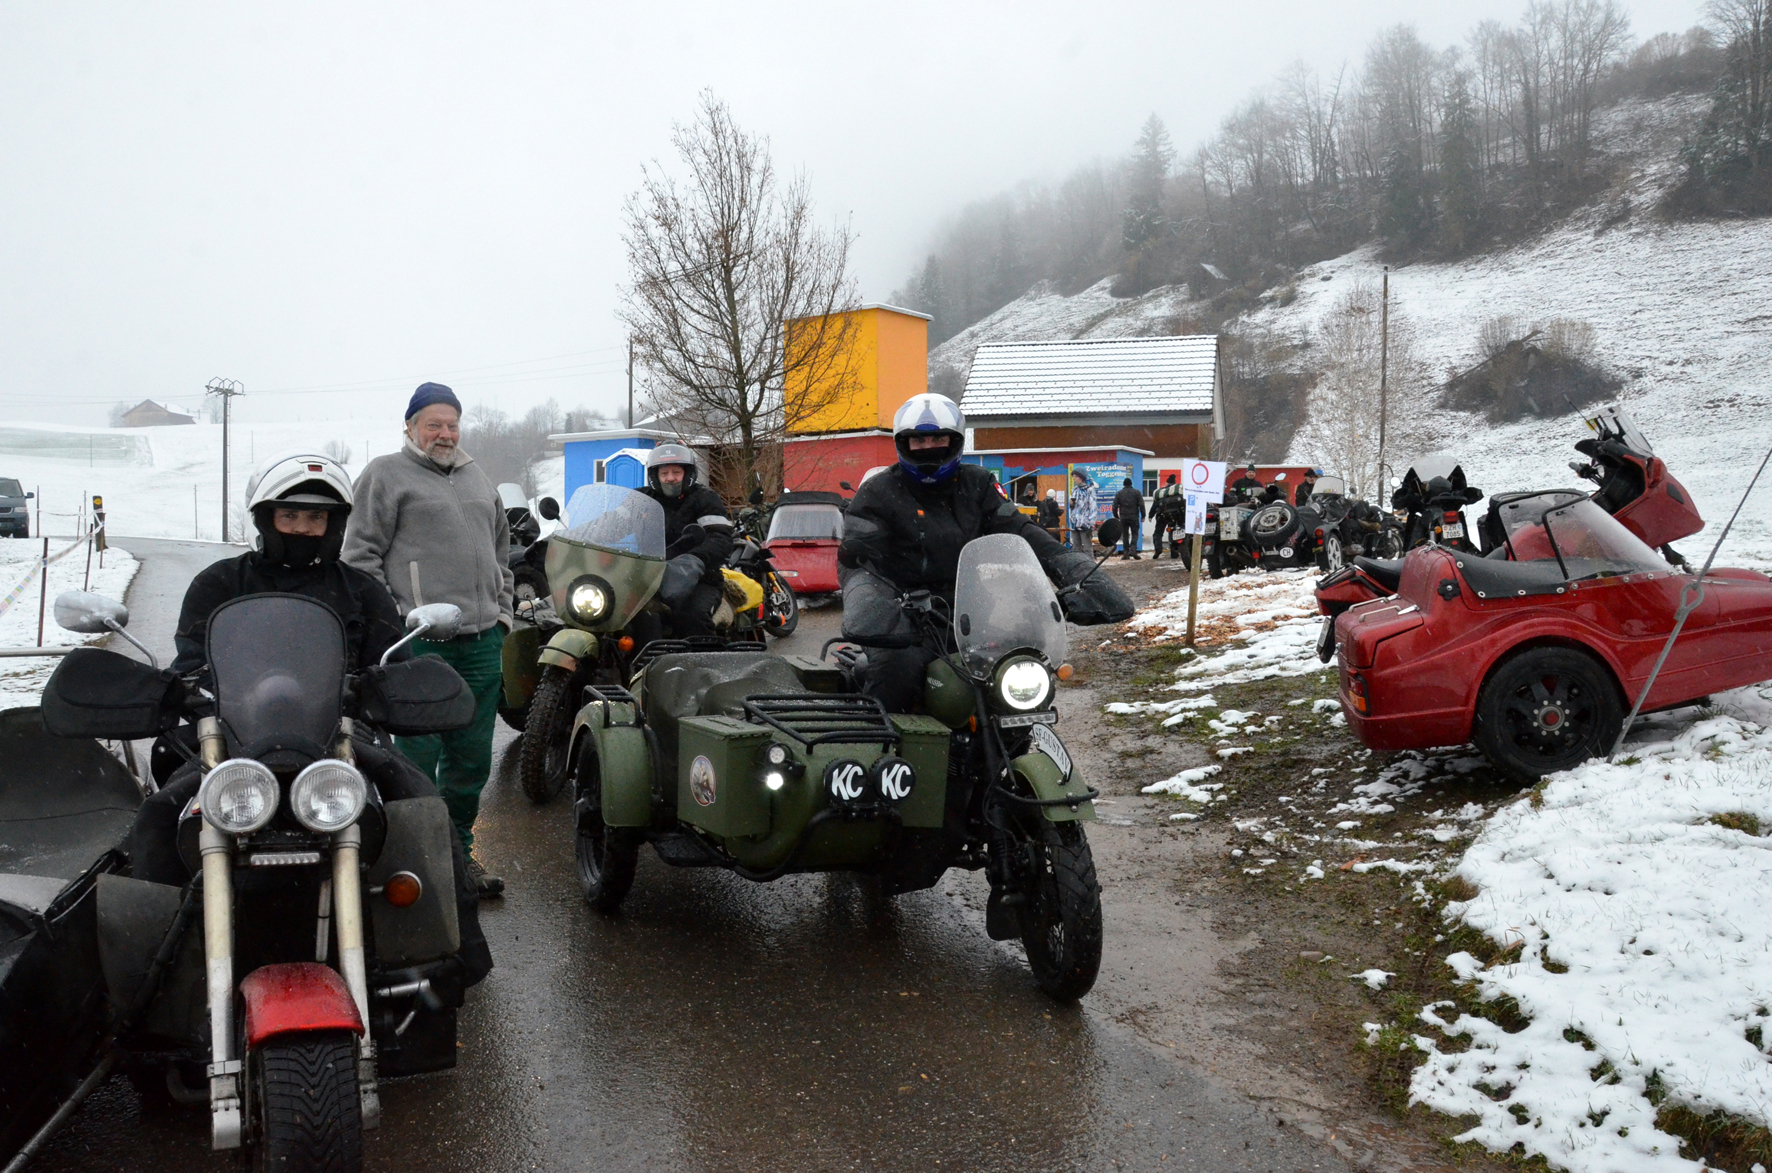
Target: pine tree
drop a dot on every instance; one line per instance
(930, 297)
(1461, 192)
(1149, 172)
(1402, 208)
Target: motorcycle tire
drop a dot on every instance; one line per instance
(1272, 525)
(1061, 922)
(781, 607)
(1331, 555)
(1215, 562)
(1547, 709)
(515, 718)
(604, 856)
(305, 1101)
(542, 763)
(1389, 543)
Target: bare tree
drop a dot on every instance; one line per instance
(338, 450)
(735, 297)
(1342, 434)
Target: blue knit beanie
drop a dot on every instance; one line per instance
(429, 393)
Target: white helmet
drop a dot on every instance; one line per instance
(929, 414)
(300, 478)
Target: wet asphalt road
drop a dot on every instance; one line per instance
(722, 1025)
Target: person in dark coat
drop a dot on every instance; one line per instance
(1305, 486)
(1246, 486)
(903, 532)
(1051, 517)
(1129, 508)
(692, 582)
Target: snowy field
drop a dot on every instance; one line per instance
(166, 482)
(22, 678)
(1633, 894)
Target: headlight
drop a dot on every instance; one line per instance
(328, 796)
(589, 599)
(238, 797)
(1024, 684)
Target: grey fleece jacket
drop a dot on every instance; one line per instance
(433, 535)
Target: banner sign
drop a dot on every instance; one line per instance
(1108, 479)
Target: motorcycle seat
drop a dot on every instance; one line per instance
(1386, 572)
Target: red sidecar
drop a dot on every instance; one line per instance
(1537, 651)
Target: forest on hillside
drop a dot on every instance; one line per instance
(1435, 152)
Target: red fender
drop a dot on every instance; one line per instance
(301, 996)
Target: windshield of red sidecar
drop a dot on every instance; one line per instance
(1592, 543)
(806, 523)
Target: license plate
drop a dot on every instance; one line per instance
(1453, 530)
(1047, 742)
(1326, 639)
(1285, 551)
(1023, 720)
(1212, 527)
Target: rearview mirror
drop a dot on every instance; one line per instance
(1110, 531)
(846, 486)
(1279, 476)
(436, 621)
(548, 508)
(89, 614)
(756, 497)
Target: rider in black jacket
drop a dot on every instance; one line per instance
(904, 530)
(692, 582)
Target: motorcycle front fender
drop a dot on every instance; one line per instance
(568, 646)
(1067, 800)
(296, 997)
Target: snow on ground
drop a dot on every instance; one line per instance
(22, 678)
(166, 482)
(1273, 617)
(1636, 893)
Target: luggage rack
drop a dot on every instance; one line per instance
(613, 694)
(825, 718)
(677, 647)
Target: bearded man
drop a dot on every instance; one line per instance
(429, 526)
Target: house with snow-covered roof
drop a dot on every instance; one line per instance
(1036, 408)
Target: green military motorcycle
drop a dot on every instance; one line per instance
(767, 765)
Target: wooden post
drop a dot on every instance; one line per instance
(1193, 585)
(43, 591)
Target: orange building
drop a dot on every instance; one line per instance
(845, 432)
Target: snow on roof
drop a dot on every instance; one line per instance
(1092, 376)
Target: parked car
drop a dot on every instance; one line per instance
(1537, 651)
(15, 515)
(804, 532)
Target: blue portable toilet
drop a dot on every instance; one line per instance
(615, 456)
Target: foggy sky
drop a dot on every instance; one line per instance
(362, 196)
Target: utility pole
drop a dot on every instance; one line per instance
(1384, 358)
(630, 381)
(227, 389)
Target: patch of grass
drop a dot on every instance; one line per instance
(1737, 821)
(1724, 1141)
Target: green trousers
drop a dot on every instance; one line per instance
(460, 762)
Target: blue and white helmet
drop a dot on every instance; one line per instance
(924, 415)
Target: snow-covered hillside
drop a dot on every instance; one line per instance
(1682, 314)
(166, 482)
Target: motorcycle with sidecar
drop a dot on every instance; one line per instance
(766, 765)
(604, 571)
(312, 953)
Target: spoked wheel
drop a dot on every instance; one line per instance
(304, 1104)
(1545, 710)
(781, 607)
(1390, 543)
(547, 734)
(1332, 556)
(605, 855)
(1061, 922)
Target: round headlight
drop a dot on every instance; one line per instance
(1024, 684)
(238, 797)
(328, 795)
(589, 599)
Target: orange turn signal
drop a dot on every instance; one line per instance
(403, 889)
(972, 724)
(1065, 671)
(625, 643)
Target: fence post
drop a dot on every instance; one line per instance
(43, 591)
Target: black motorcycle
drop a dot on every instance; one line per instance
(752, 558)
(1434, 494)
(1345, 527)
(311, 953)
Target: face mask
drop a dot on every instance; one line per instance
(670, 489)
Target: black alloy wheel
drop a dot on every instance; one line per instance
(781, 607)
(305, 1106)
(1061, 922)
(1547, 709)
(605, 855)
(542, 763)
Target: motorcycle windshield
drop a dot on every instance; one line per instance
(1594, 544)
(277, 664)
(1330, 487)
(1433, 464)
(615, 535)
(1004, 603)
(1617, 424)
(511, 496)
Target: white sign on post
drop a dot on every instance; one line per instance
(1202, 482)
(1203, 479)
(1196, 515)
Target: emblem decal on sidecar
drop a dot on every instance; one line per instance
(843, 779)
(701, 781)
